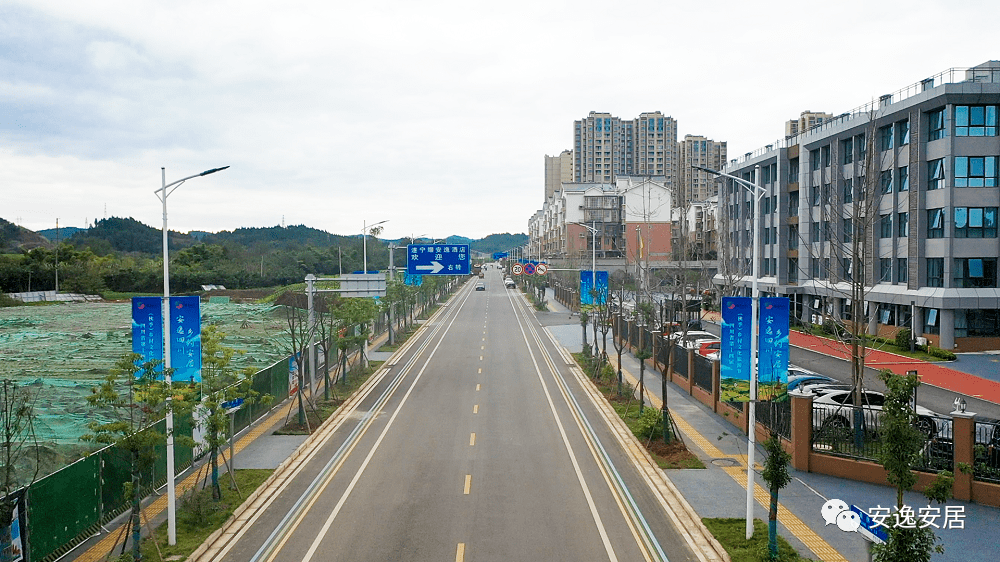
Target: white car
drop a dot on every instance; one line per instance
(692, 339)
(833, 411)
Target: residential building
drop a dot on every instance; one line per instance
(807, 120)
(558, 170)
(697, 185)
(908, 183)
(605, 147)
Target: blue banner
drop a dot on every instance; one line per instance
(586, 285)
(734, 367)
(772, 367)
(147, 329)
(185, 338)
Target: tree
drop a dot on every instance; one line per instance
(298, 331)
(220, 384)
(902, 444)
(133, 399)
(776, 475)
(17, 430)
(355, 316)
(618, 341)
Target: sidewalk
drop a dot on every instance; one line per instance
(719, 490)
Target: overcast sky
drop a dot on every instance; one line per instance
(433, 114)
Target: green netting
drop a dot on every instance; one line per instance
(61, 508)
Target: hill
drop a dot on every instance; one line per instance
(126, 235)
(499, 242)
(64, 233)
(14, 238)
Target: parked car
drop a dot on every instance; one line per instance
(833, 410)
(707, 347)
(940, 451)
(692, 339)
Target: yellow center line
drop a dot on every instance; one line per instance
(460, 553)
(475, 409)
(472, 440)
(468, 483)
(803, 532)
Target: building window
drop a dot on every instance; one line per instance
(977, 323)
(793, 270)
(903, 132)
(793, 237)
(847, 151)
(935, 174)
(885, 314)
(848, 227)
(885, 270)
(885, 181)
(931, 321)
(848, 189)
(824, 152)
(815, 195)
(975, 222)
(902, 270)
(935, 272)
(885, 226)
(903, 224)
(793, 170)
(975, 171)
(861, 142)
(827, 233)
(814, 232)
(848, 270)
(793, 203)
(975, 121)
(814, 160)
(826, 267)
(814, 267)
(903, 178)
(885, 138)
(935, 125)
(935, 223)
(975, 272)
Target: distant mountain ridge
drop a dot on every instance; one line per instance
(129, 235)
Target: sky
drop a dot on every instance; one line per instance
(433, 115)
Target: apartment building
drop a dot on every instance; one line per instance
(807, 120)
(902, 193)
(605, 147)
(696, 185)
(629, 213)
(558, 170)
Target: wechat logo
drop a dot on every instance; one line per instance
(837, 512)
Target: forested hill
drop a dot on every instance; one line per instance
(499, 242)
(14, 238)
(117, 234)
(278, 238)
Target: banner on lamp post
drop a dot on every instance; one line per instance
(185, 335)
(587, 278)
(147, 330)
(734, 367)
(772, 369)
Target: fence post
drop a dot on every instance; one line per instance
(801, 429)
(964, 435)
(716, 383)
(690, 381)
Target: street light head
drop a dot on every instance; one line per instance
(212, 171)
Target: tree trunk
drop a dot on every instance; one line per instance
(216, 491)
(136, 510)
(642, 386)
(772, 524)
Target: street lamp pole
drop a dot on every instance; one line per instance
(758, 192)
(162, 194)
(364, 240)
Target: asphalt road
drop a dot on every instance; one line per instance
(478, 442)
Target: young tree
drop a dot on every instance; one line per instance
(220, 383)
(297, 344)
(327, 326)
(776, 475)
(902, 444)
(133, 399)
(355, 316)
(618, 340)
(17, 415)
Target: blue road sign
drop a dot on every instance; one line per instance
(499, 255)
(438, 259)
(869, 529)
(415, 280)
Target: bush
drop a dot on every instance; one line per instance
(648, 424)
(903, 338)
(941, 353)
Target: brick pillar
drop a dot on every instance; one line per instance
(715, 386)
(690, 381)
(964, 439)
(801, 429)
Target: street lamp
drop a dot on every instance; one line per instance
(758, 192)
(162, 195)
(364, 240)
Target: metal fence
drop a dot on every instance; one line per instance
(702, 373)
(776, 416)
(69, 505)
